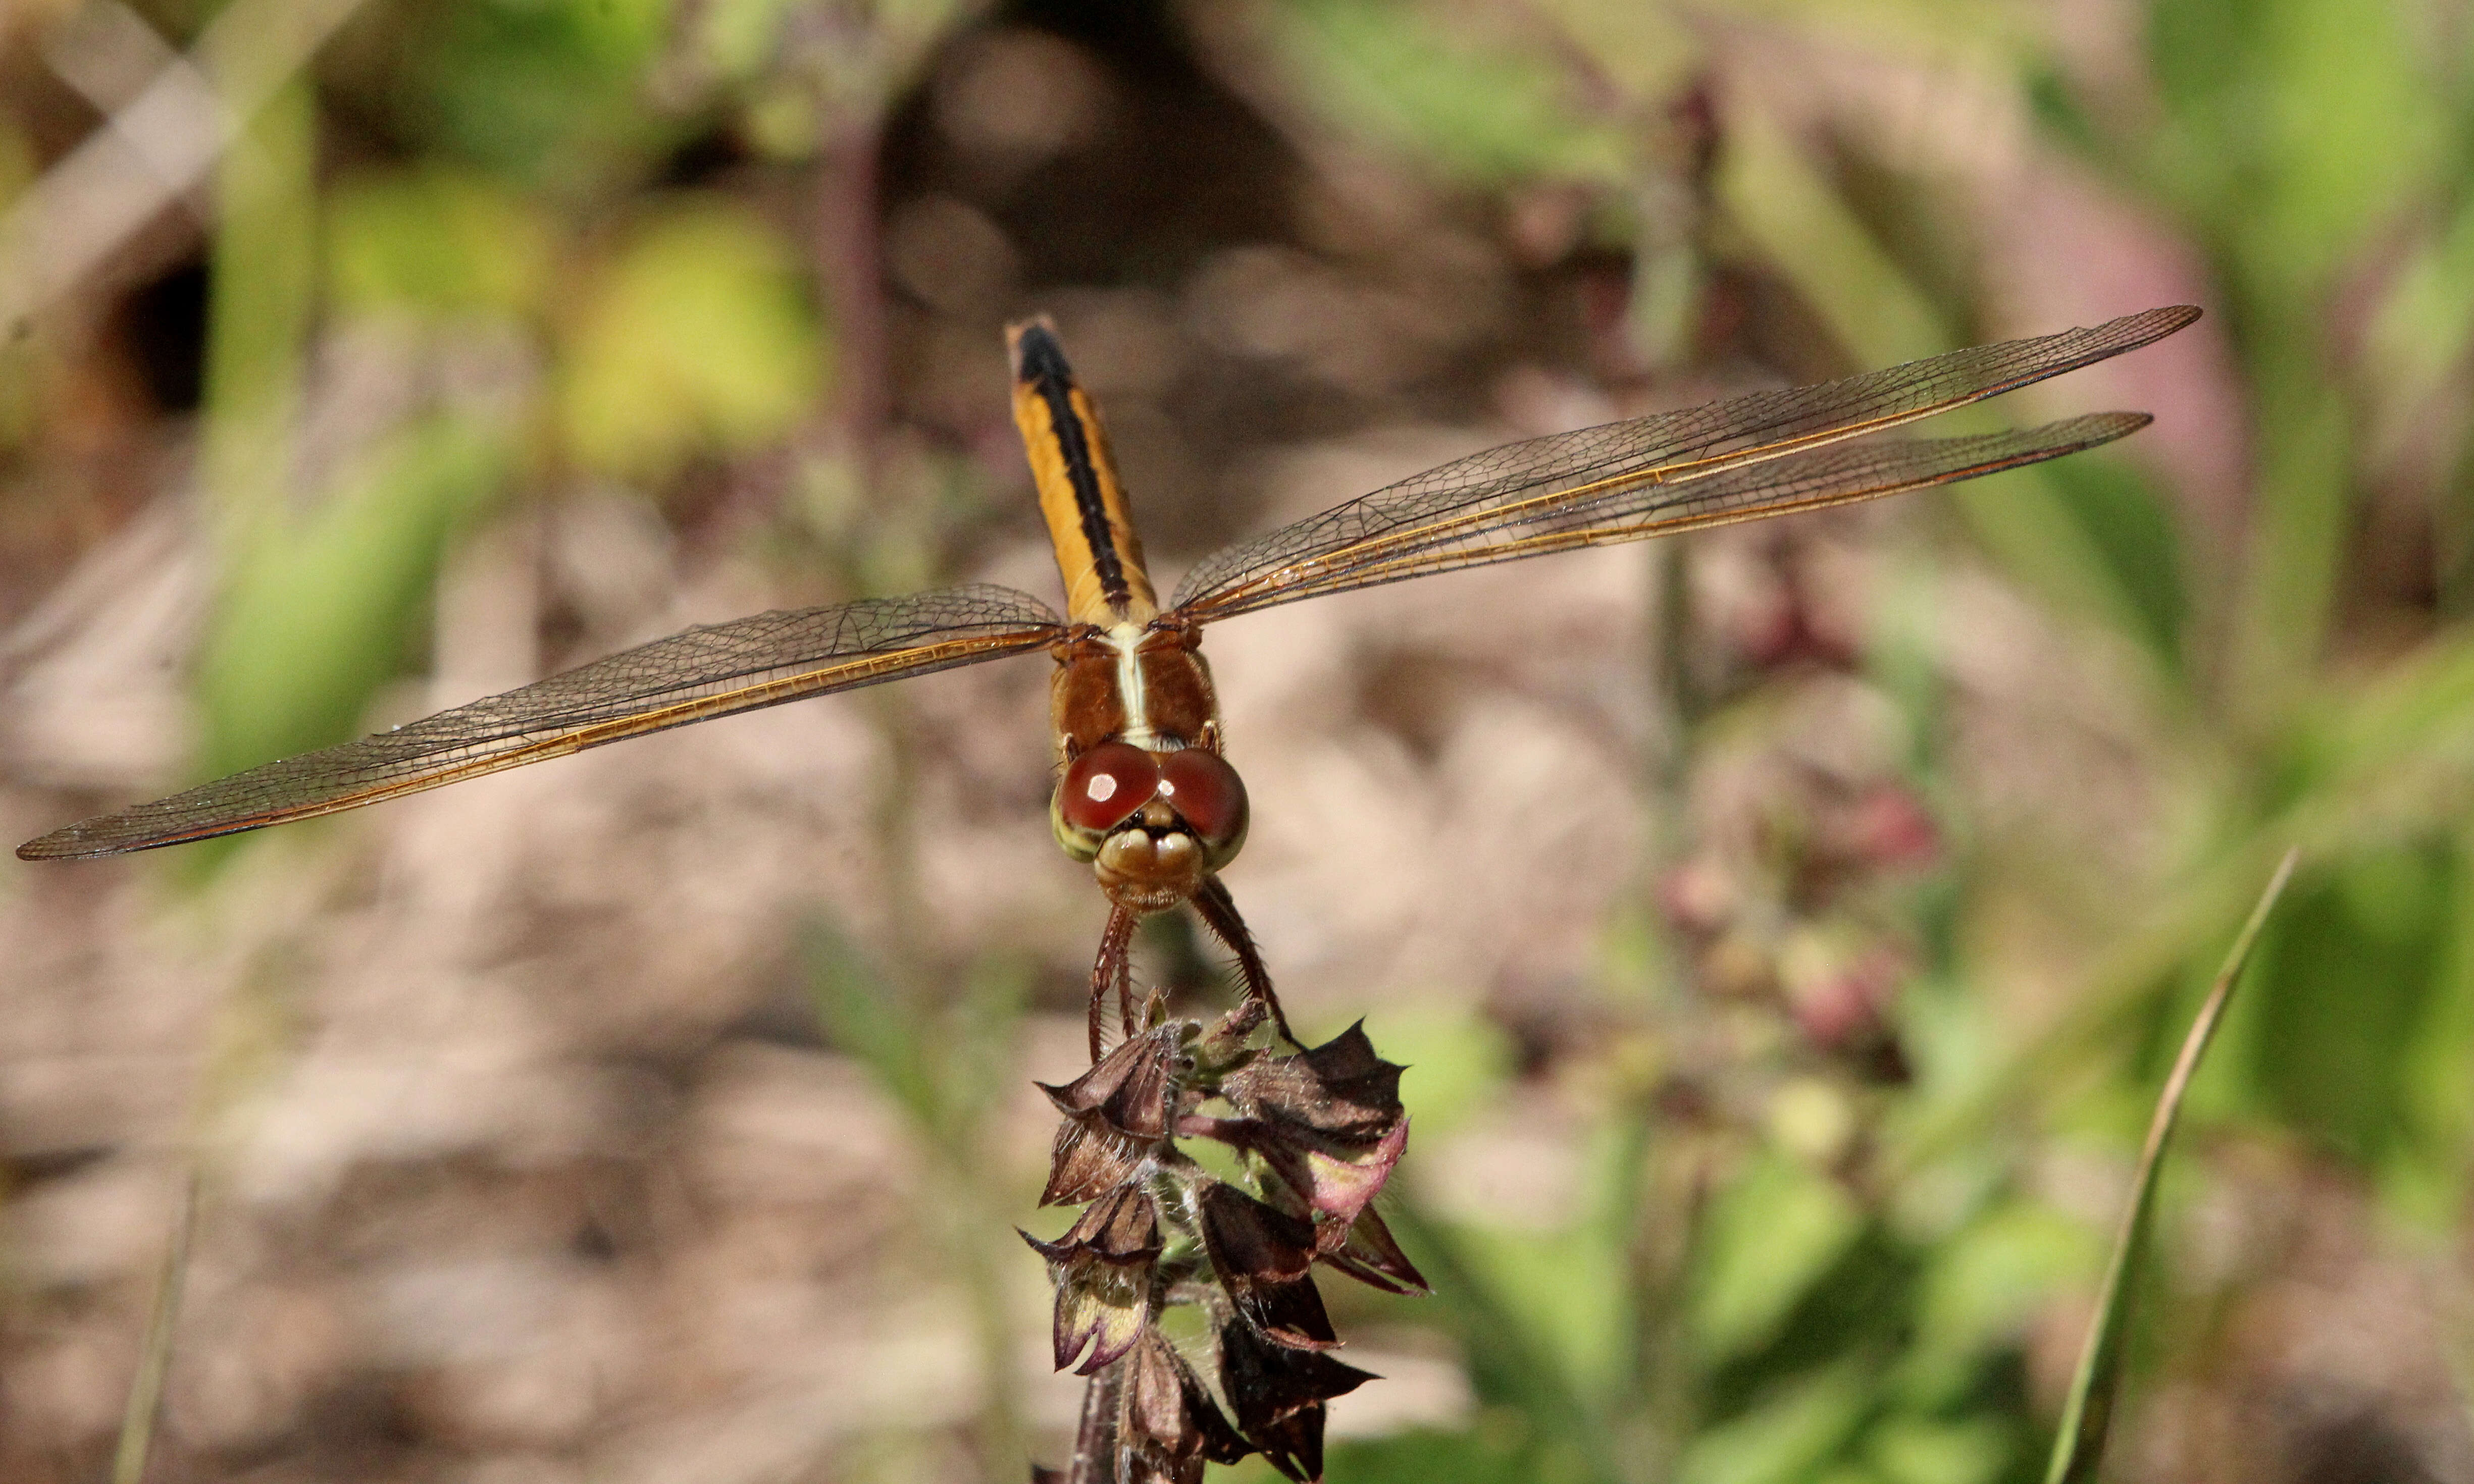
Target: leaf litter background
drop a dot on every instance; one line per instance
(1786, 927)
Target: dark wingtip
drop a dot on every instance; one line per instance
(67, 842)
(2095, 429)
(93, 839)
(1032, 347)
(2164, 320)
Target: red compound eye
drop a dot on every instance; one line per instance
(1206, 794)
(1105, 785)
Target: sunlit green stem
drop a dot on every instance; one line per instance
(2297, 540)
(264, 275)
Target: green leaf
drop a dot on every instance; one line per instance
(2428, 1182)
(1981, 1289)
(740, 38)
(2078, 1447)
(1509, 1365)
(1779, 199)
(2302, 500)
(1460, 1059)
(1499, 1450)
(1769, 1238)
(948, 1066)
(1487, 112)
(1790, 1435)
(2416, 716)
(544, 89)
(317, 615)
(1561, 1284)
(1918, 1451)
(2133, 533)
(2295, 124)
(978, 1063)
(435, 241)
(261, 297)
(696, 337)
(2424, 325)
(2342, 995)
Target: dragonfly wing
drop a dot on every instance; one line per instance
(1833, 474)
(719, 670)
(1523, 482)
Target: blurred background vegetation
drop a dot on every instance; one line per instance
(1787, 927)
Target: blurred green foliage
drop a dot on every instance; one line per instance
(679, 330)
(1459, 100)
(436, 241)
(364, 564)
(694, 338)
(549, 94)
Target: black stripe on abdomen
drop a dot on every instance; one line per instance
(1043, 366)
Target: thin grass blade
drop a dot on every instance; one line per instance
(155, 1357)
(2080, 1445)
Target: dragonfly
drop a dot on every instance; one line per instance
(1144, 794)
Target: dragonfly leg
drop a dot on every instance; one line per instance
(1219, 913)
(1113, 971)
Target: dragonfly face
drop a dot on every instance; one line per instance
(1150, 824)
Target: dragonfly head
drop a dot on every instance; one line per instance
(1151, 824)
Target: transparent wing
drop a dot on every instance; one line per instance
(1466, 512)
(720, 670)
(1832, 475)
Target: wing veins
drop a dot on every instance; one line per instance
(1813, 478)
(1478, 522)
(669, 683)
(1470, 495)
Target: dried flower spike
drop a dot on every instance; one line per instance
(1319, 1133)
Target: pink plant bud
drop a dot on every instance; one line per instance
(1101, 1270)
(1889, 827)
(1698, 897)
(1848, 1003)
(1363, 1248)
(1335, 1177)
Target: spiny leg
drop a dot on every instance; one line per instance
(1113, 970)
(1219, 913)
